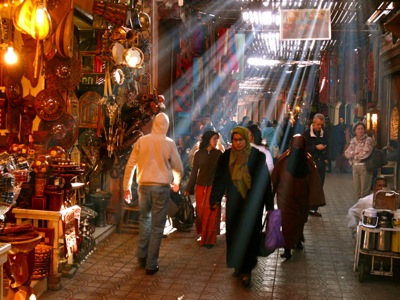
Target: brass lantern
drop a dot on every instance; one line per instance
(41, 27)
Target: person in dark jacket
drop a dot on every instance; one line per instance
(242, 176)
(201, 178)
(339, 132)
(317, 146)
(297, 185)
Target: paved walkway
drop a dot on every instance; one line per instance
(323, 270)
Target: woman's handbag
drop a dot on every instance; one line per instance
(376, 160)
(271, 238)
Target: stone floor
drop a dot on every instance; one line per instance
(323, 270)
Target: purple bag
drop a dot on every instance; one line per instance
(272, 238)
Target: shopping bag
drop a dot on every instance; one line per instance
(175, 200)
(272, 238)
(184, 217)
(186, 211)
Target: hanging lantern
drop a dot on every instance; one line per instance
(133, 57)
(22, 17)
(40, 21)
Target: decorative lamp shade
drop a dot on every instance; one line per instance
(41, 27)
(22, 17)
(134, 57)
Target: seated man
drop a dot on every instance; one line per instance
(354, 213)
(392, 151)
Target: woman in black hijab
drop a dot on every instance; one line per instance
(297, 184)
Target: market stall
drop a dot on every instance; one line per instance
(71, 120)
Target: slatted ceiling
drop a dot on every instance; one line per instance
(348, 26)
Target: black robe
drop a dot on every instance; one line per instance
(295, 196)
(243, 216)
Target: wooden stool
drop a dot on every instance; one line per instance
(127, 221)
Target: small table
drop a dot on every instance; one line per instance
(53, 219)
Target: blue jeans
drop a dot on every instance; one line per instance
(153, 204)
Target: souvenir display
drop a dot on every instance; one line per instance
(64, 73)
(57, 152)
(89, 142)
(89, 111)
(52, 160)
(11, 179)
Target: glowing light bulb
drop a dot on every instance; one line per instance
(132, 61)
(10, 57)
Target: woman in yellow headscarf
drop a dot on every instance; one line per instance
(243, 177)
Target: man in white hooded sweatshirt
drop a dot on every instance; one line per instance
(158, 169)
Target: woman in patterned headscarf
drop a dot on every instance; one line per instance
(243, 177)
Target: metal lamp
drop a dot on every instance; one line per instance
(41, 27)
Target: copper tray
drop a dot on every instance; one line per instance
(63, 132)
(49, 105)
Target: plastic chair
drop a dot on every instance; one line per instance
(389, 171)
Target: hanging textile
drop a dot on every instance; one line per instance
(370, 73)
(197, 72)
(324, 79)
(240, 45)
(221, 49)
(184, 74)
(198, 40)
(332, 79)
(350, 82)
(233, 60)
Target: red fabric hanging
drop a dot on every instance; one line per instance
(324, 79)
(221, 49)
(184, 77)
(98, 63)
